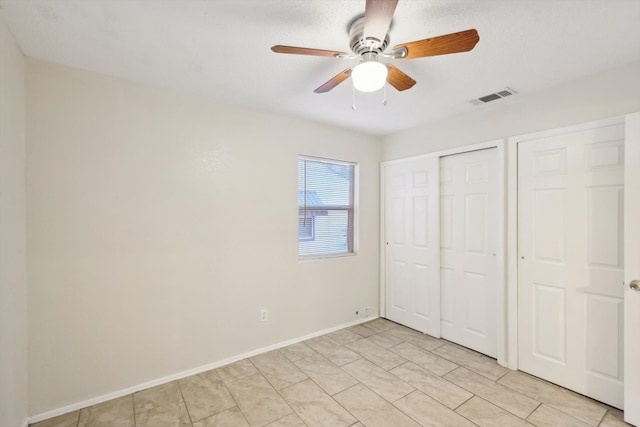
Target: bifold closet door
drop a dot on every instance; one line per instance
(570, 260)
(411, 244)
(468, 244)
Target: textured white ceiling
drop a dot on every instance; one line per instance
(221, 49)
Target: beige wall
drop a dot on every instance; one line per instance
(13, 281)
(159, 224)
(603, 95)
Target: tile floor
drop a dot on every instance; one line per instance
(374, 374)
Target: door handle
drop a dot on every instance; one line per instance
(635, 285)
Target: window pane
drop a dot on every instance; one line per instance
(305, 228)
(325, 207)
(331, 235)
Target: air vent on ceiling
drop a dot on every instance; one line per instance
(493, 96)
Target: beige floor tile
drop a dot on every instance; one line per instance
(169, 415)
(116, 412)
(390, 387)
(380, 324)
(362, 330)
(242, 368)
(371, 409)
(486, 414)
(327, 375)
(613, 418)
(278, 370)
(493, 392)
(344, 336)
(66, 420)
(423, 341)
(385, 339)
(545, 416)
(229, 418)
(315, 407)
(526, 384)
(205, 395)
(430, 413)
(334, 352)
(259, 402)
(405, 330)
(432, 385)
(427, 360)
(291, 420)
(297, 351)
(465, 349)
(570, 403)
(376, 354)
(150, 398)
(479, 364)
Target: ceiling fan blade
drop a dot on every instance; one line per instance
(399, 79)
(377, 18)
(462, 41)
(306, 51)
(334, 81)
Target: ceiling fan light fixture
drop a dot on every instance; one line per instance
(369, 75)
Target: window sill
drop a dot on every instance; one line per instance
(324, 257)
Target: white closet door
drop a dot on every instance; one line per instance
(570, 260)
(468, 243)
(412, 245)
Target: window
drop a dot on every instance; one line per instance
(325, 207)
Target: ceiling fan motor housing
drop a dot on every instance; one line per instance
(359, 44)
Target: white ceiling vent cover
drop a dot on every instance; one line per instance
(493, 96)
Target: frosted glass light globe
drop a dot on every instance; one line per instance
(369, 76)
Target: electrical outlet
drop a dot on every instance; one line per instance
(264, 315)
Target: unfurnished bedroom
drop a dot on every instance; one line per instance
(253, 213)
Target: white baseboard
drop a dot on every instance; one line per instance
(109, 396)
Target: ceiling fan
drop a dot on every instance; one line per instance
(368, 39)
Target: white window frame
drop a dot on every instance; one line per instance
(354, 208)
